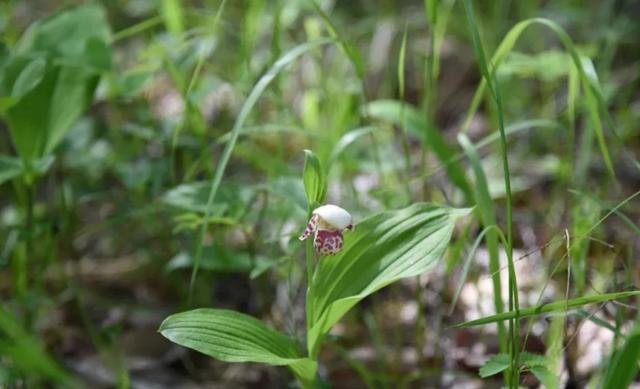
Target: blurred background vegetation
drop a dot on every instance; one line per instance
(114, 118)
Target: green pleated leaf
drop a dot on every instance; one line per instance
(235, 337)
(383, 248)
(230, 336)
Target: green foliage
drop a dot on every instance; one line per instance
(623, 363)
(255, 94)
(536, 364)
(315, 180)
(594, 99)
(173, 15)
(25, 353)
(234, 337)
(487, 213)
(51, 77)
(496, 364)
(384, 248)
(218, 258)
(201, 92)
(230, 336)
(557, 306)
(410, 118)
(9, 168)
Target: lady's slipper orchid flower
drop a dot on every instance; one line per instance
(327, 223)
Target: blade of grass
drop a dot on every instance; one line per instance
(186, 93)
(136, 28)
(593, 96)
(623, 365)
(350, 51)
(633, 226)
(487, 213)
(256, 92)
(557, 306)
(401, 87)
(467, 264)
(514, 329)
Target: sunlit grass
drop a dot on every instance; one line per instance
(174, 144)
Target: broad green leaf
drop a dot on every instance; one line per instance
(52, 75)
(623, 365)
(557, 306)
(9, 168)
(65, 35)
(383, 249)
(72, 95)
(98, 54)
(313, 176)
(230, 336)
(29, 77)
(409, 118)
(28, 117)
(235, 337)
(496, 364)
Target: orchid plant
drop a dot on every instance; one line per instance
(342, 269)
